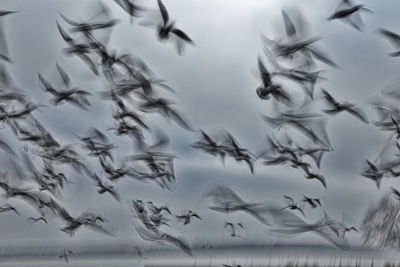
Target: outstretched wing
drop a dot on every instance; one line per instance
(289, 26)
(164, 12)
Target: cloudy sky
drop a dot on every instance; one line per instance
(215, 82)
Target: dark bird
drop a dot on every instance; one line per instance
(313, 202)
(124, 114)
(35, 220)
(269, 89)
(233, 229)
(337, 107)
(396, 193)
(186, 216)
(114, 174)
(86, 28)
(155, 210)
(65, 254)
(292, 205)
(209, 145)
(397, 128)
(6, 12)
(8, 207)
(82, 50)
(9, 116)
(106, 189)
(312, 175)
(310, 125)
(304, 48)
(86, 219)
(374, 173)
(98, 147)
(289, 50)
(75, 96)
(238, 153)
(350, 14)
(163, 107)
(167, 27)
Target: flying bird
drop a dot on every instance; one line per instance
(65, 254)
(35, 220)
(268, 89)
(337, 107)
(167, 27)
(186, 216)
(349, 14)
(75, 96)
(292, 204)
(313, 202)
(233, 228)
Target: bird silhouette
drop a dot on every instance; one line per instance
(167, 27)
(349, 13)
(186, 216)
(340, 107)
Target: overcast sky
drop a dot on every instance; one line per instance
(215, 81)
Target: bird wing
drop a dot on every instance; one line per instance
(64, 34)
(179, 242)
(164, 12)
(61, 211)
(323, 58)
(330, 98)
(195, 215)
(228, 224)
(49, 88)
(182, 35)
(396, 192)
(372, 166)
(68, 20)
(80, 92)
(115, 194)
(89, 63)
(301, 210)
(178, 119)
(289, 26)
(288, 199)
(64, 75)
(358, 113)
(394, 38)
(207, 137)
(265, 76)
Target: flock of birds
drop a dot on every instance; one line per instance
(44, 165)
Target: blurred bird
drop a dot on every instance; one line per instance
(337, 107)
(65, 254)
(186, 216)
(349, 13)
(167, 27)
